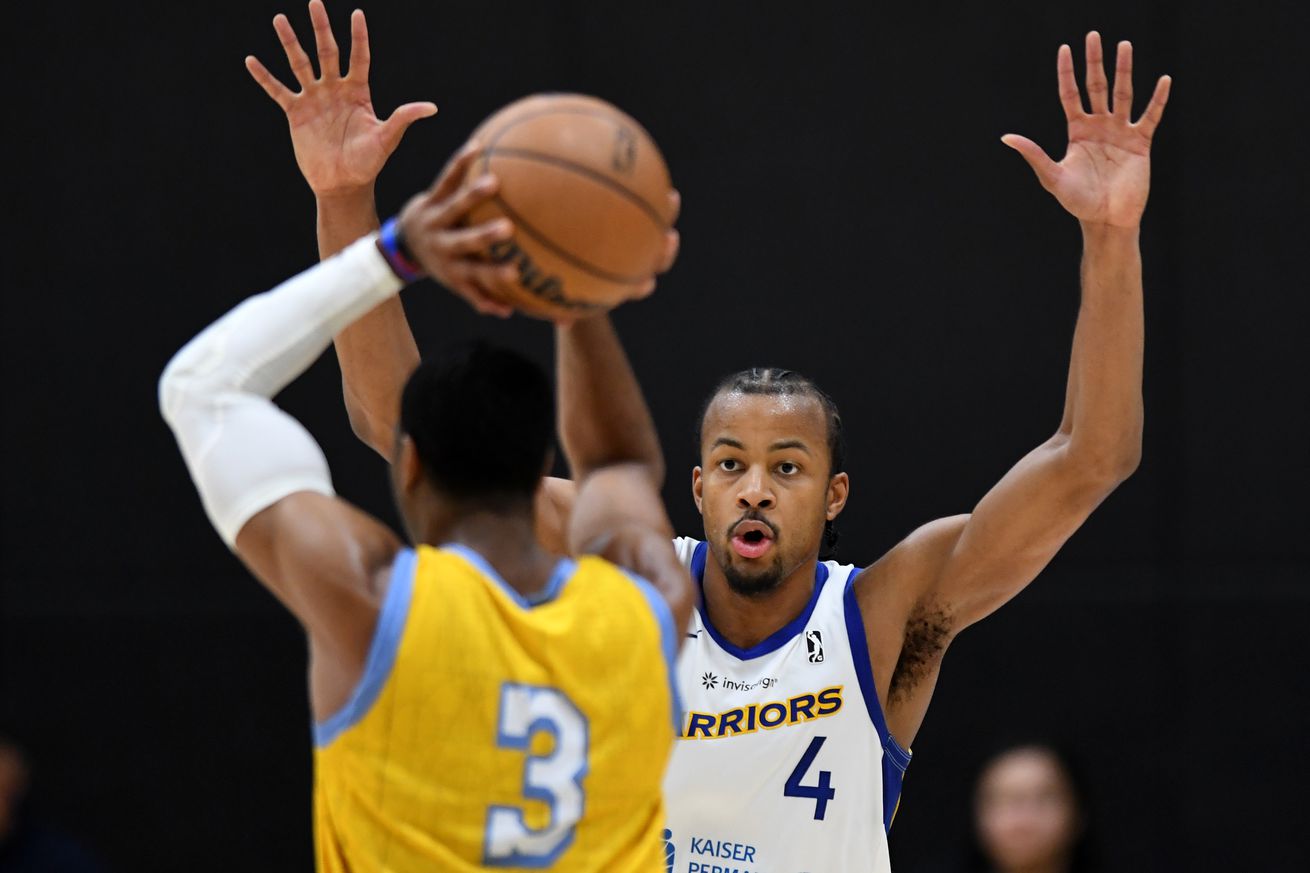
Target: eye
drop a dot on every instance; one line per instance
(787, 468)
(729, 465)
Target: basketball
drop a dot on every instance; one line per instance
(588, 192)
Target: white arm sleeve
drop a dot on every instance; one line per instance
(243, 453)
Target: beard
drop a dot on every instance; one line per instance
(752, 581)
(756, 582)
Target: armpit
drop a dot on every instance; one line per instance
(926, 635)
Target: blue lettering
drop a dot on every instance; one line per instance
(830, 700)
(731, 721)
(780, 715)
(701, 723)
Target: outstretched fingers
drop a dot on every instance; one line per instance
(395, 126)
(301, 68)
(1150, 119)
(1098, 95)
(1123, 81)
(360, 56)
(1069, 96)
(329, 56)
(280, 93)
(1046, 169)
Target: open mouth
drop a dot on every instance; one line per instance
(751, 539)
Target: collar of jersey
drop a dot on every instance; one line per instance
(770, 643)
(563, 570)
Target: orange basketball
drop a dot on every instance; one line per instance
(588, 192)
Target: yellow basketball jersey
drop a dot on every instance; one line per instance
(493, 731)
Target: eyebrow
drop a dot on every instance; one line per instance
(775, 447)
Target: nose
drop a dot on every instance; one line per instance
(755, 492)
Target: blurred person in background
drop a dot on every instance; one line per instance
(26, 845)
(1031, 813)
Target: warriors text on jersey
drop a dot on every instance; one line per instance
(784, 763)
(493, 731)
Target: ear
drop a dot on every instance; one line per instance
(408, 470)
(839, 488)
(697, 483)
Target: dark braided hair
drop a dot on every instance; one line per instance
(782, 382)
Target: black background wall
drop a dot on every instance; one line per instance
(849, 212)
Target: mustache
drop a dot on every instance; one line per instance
(754, 515)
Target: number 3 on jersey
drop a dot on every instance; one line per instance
(554, 778)
(821, 793)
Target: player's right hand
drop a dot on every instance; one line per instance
(340, 143)
(434, 227)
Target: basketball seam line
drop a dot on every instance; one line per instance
(573, 259)
(582, 170)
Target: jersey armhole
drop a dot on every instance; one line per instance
(895, 759)
(668, 641)
(381, 652)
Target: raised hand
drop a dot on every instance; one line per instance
(1105, 175)
(340, 143)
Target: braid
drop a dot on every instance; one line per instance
(783, 382)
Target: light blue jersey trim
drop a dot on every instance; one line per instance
(563, 571)
(381, 652)
(668, 640)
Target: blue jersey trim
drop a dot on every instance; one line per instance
(563, 571)
(775, 640)
(668, 641)
(381, 652)
(894, 759)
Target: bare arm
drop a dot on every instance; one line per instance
(615, 456)
(953, 572)
(341, 146)
(603, 417)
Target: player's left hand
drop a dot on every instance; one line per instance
(340, 143)
(1104, 177)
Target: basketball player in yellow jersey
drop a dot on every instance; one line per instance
(478, 702)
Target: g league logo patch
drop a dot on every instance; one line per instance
(814, 643)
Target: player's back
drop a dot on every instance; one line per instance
(488, 730)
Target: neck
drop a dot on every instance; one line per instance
(507, 541)
(746, 621)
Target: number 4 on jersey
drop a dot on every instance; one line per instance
(821, 793)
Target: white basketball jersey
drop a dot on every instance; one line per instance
(784, 763)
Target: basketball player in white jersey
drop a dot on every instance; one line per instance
(805, 681)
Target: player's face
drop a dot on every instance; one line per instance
(764, 489)
(1026, 813)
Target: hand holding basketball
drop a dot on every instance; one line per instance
(1104, 177)
(590, 199)
(434, 225)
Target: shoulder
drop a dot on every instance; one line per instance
(905, 574)
(685, 547)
